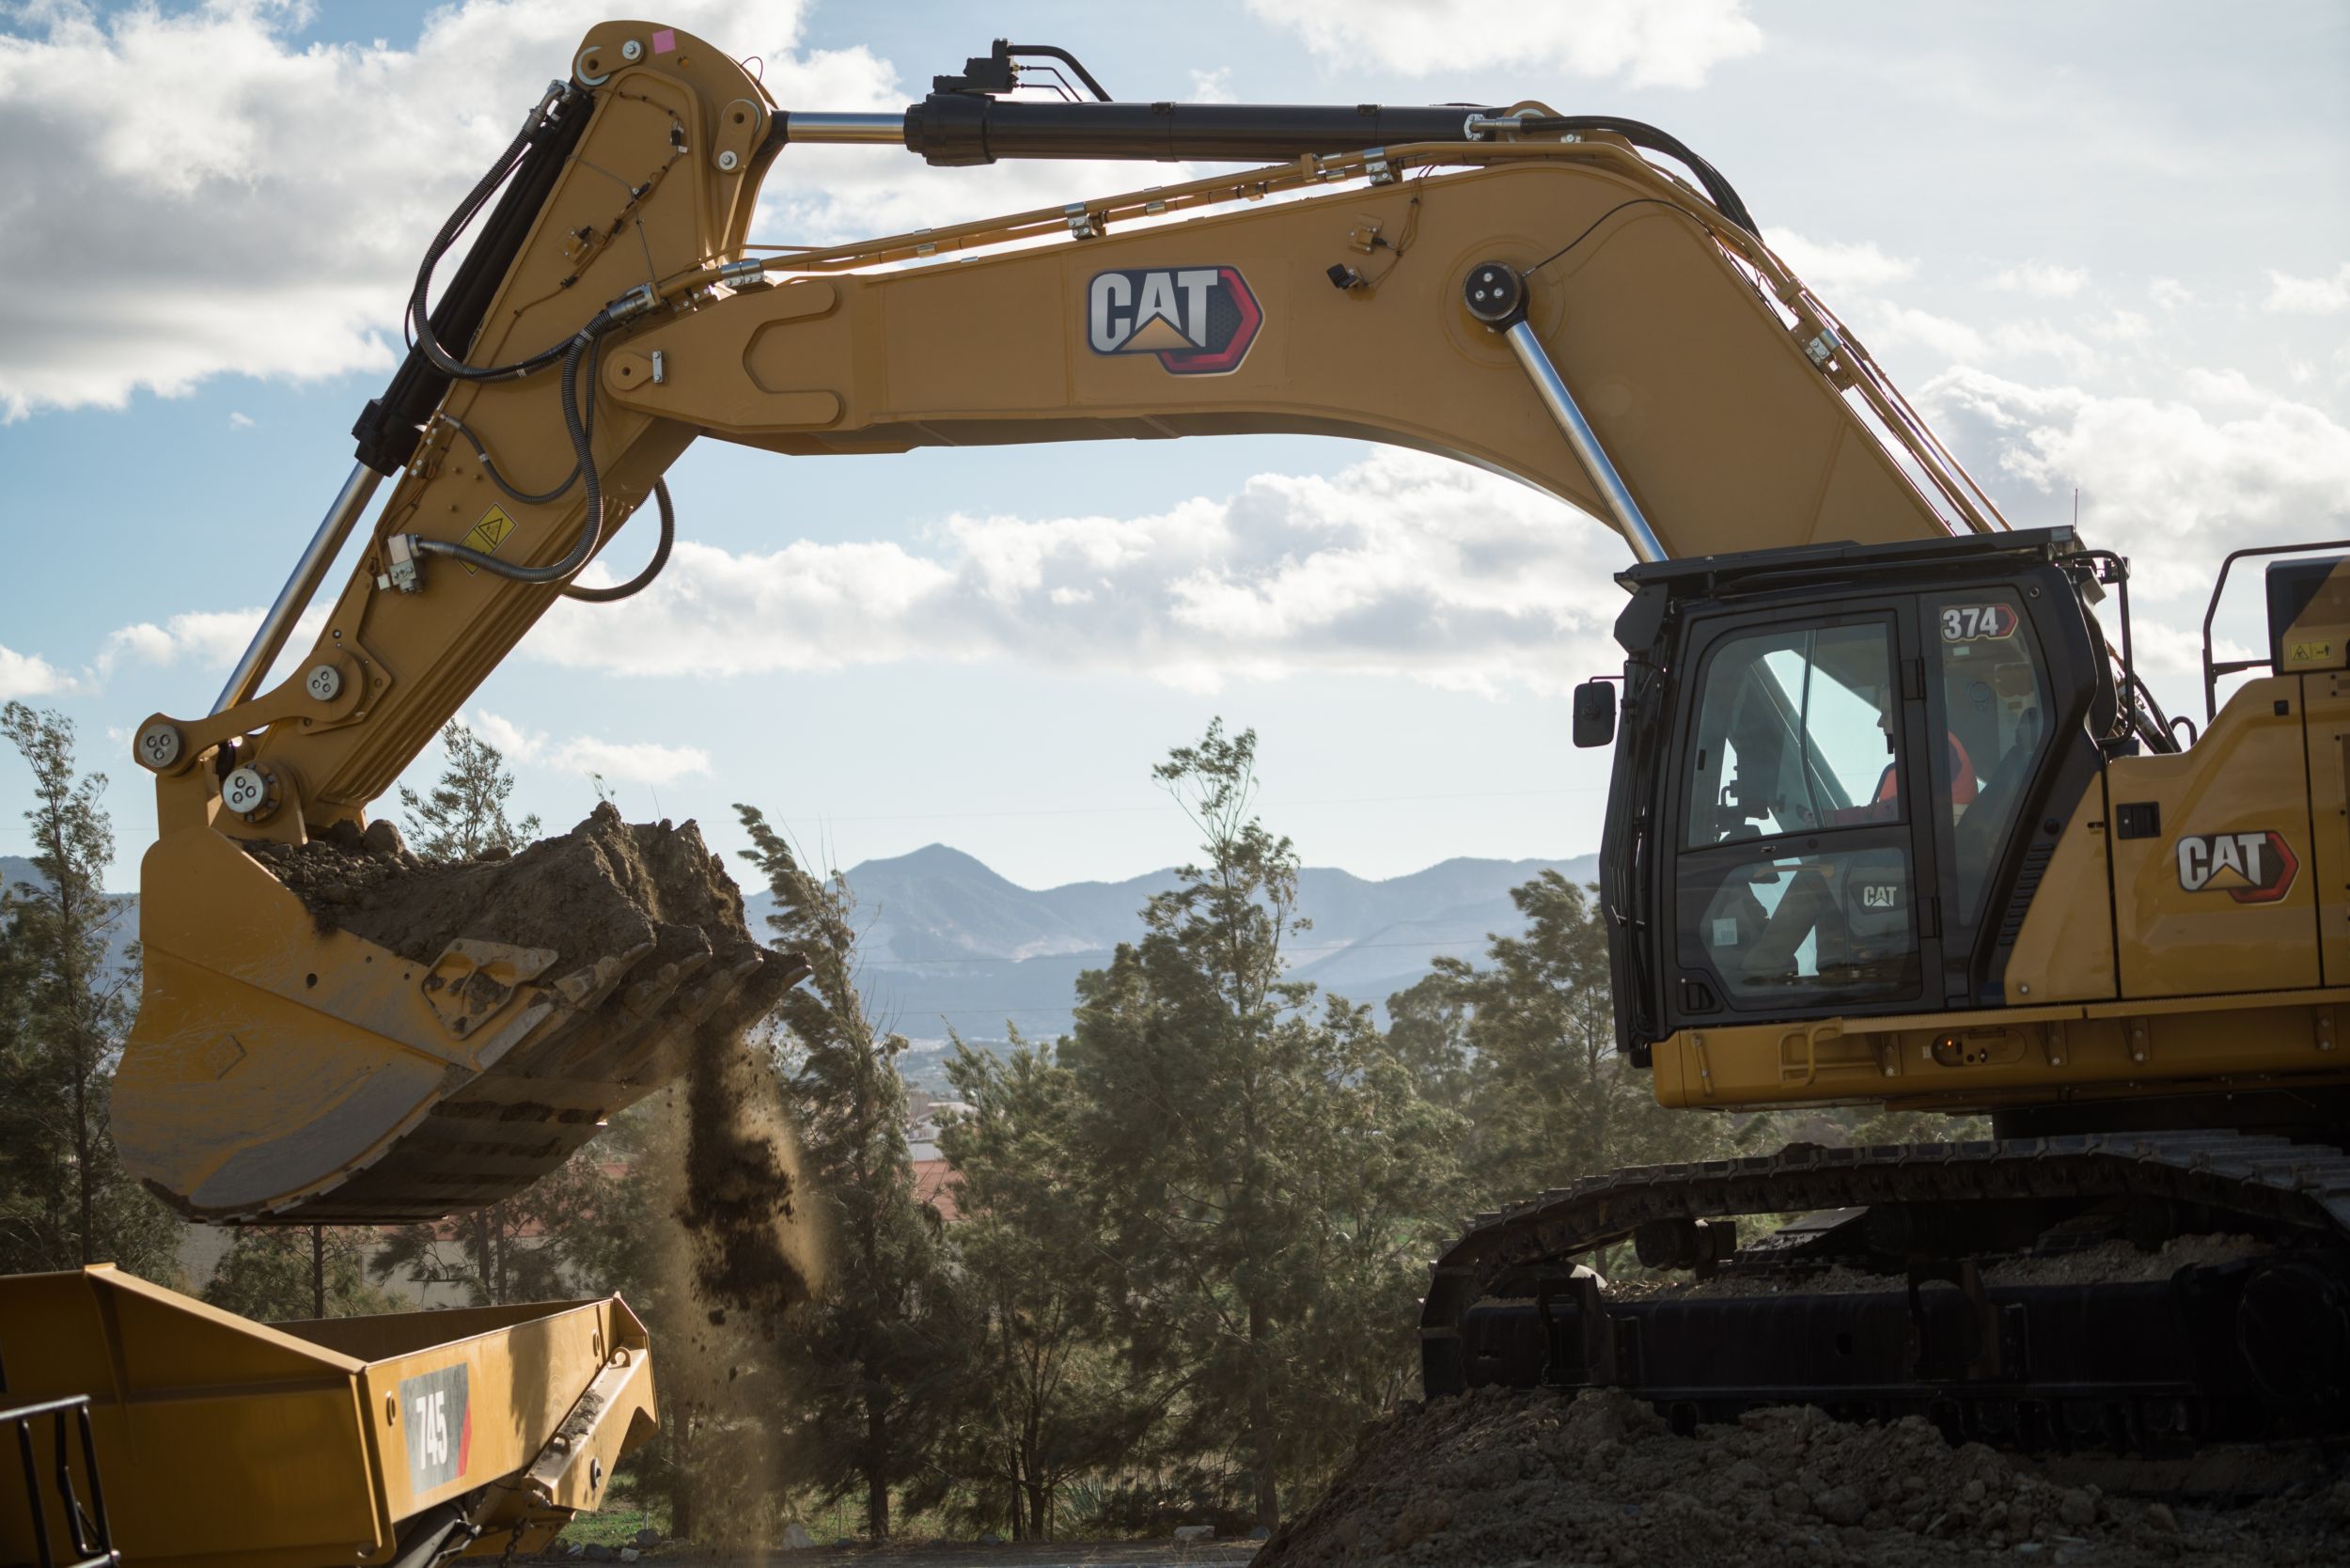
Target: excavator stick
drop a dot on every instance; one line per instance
(397, 1439)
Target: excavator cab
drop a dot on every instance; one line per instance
(1840, 772)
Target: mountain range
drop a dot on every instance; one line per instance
(948, 943)
(945, 943)
(15, 869)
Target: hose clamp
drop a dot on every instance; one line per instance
(750, 270)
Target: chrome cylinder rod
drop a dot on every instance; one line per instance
(301, 588)
(800, 125)
(1556, 398)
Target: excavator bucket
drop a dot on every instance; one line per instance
(217, 1440)
(336, 1033)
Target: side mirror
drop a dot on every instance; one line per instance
(1594, 713)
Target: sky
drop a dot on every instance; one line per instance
(2105, 247)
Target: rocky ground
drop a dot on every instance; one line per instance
(1505, 1478)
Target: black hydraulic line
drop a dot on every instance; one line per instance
(652, 568)
(488, 464)
(583, 346)
(1641, 135)
(1054, 51)
(388, 430)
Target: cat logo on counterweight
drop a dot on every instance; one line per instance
(1198, 321)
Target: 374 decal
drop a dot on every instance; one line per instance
(1198, 321)
(2251, 868)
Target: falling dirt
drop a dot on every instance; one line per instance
(1501, 1478)
(753, 1250)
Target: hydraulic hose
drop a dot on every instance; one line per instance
(583, 346)
(489, 464)
(1639, 133)
(420, 318)
(652, 568)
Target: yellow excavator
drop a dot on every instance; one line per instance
(1893, 820)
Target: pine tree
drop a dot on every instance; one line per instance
(1042, 1399)
(1546, 1095)
(64, 1012)
(875, 1343)
(1264, 1167)
(464, 816)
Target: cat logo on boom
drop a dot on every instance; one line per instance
(2251, 868)
(1199, 320)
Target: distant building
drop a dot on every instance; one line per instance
(933, 1172)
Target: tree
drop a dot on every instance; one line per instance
(269, 1275)
(1530, 1045)
(1264, 1168)
(1042, 1397)
(464, 816)
(874, 1343)
(64, 1012)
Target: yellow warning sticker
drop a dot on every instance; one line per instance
(2310, 654)
(487, 535)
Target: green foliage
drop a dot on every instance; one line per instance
(269, 1276)
(464, 816)
(873, 1350)
(1530, 1050)
(1266, 1170)
(64, 1198)
(1042, 1397)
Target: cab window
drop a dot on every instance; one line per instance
(1993, 696)
(1795, 735)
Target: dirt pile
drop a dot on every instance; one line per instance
(1502, 1478)
(607, 886)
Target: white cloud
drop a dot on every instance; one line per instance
(1401, 565)
(2043, 280)
(1831, 267)
(239, 421)
(1885, 326)
(299, 182)
(208, 638)
(2169, 294)
(1212, 87)
(2174, 483)
(293, 184)
(2310, 296)
(1670, 43)
(621, 762)
(29, 675)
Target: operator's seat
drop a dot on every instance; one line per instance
(1980, 827)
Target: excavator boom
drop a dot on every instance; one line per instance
(1515, 288)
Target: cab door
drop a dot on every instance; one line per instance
(1800, 874)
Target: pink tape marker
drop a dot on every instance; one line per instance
(664, 40)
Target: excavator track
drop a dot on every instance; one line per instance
(2254, 1346)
